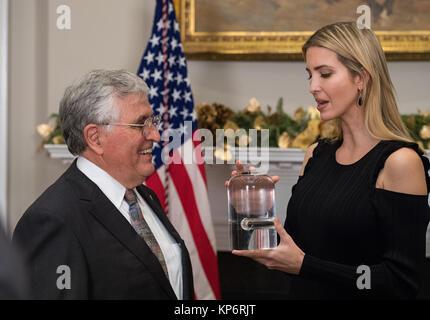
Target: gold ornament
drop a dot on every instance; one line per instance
(410, 121)
(425, 132)
(44, 130)
(307, 137)
(313, 113)
(260, 123)
(425, 113)
(58, 140)
(222, 113)
(206, 115)
(253, 106)
(284, 140)
(212, 116)
(230, 125)
(299, 114)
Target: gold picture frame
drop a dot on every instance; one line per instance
(280, 45)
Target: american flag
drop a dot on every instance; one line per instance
(181, 186)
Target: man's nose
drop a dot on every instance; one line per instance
(152, 134)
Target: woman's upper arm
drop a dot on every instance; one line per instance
(308, 155)
(404, 172)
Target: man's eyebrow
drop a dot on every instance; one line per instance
(142, 118)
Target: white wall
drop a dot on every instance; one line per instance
(113, 34)
(44, 60)
(4, 25)
(234, 83)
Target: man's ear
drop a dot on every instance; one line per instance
(94, 139)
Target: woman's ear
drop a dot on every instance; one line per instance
(93, 137)
(362, 79)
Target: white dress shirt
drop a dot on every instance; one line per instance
(115, 192)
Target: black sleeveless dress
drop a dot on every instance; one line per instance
(341, 221)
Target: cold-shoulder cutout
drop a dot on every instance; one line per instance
(404, 173)
(390, 150)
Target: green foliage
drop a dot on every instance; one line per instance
(418, 126)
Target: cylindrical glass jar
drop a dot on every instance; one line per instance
(251, 210)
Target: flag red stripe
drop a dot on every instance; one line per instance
(190, 182)
(166, 102)
(200, 166)
(204, 248)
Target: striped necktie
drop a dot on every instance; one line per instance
(142, 228)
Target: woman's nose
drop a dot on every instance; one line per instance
(314, 86)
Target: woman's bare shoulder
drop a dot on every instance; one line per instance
(404, 172)
(308, 155)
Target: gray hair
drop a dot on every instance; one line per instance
(91, 100)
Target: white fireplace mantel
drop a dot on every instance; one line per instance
(60, 151)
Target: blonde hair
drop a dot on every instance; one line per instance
(359, 49)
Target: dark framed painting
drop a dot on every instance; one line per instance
(276, 29)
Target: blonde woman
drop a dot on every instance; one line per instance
(357, 217)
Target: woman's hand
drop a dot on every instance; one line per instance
(286, 257)
(240, 169)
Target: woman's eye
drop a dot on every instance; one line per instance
(309, 77)
(325, 75)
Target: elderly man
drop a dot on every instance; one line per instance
(97, 232)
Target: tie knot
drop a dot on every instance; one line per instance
(130, 196)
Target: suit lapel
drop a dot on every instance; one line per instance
(158, 210)
(109, 216)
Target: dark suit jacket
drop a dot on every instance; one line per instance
(74, 224)
(13, 278)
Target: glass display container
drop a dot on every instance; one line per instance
(251, 210)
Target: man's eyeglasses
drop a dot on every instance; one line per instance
(144, 127)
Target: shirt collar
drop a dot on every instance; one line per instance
(112, 189)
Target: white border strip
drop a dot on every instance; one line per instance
(3, 109)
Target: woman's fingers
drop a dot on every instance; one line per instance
(239, 166)
(280, 230)
(253, 254)
(275, 178)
